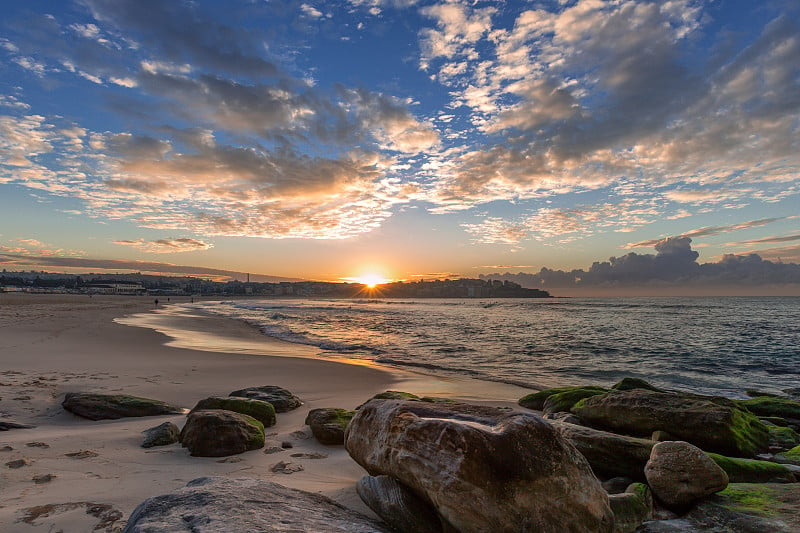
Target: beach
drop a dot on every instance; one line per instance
(54, 344)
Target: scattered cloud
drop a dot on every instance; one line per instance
(711, 230)
(166, 246)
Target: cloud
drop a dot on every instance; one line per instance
(19, 260)
(583, 95)
(674, 265)
(564, 225)
(784, 238)
(264, 154)
(167, 246)
(712, 230)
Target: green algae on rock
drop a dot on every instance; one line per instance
(772, 406)
(328, 424)
(262, 411)
(536, 400)
(563, 401)
(752, 470)
(713, 424)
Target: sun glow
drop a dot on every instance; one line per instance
(370, 280)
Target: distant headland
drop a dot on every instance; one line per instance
(146, 284)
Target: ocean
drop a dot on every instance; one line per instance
(709, 345)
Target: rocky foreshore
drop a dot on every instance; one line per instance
(627, 458)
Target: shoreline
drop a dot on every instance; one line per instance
(53, 344)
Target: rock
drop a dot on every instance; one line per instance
(783, 438)
(753, 393)
(563, 401)
(483, 469)
(394, 395)
(741, 508)
(217, 433)
(239, 505)
(281, 399)
(616, 485)
(752, 470)
(6, 425)
(680, 474)
(773, 406)
(328, 425)
(713, 424)
(272, 446)
(536, 400)
(43, 478)
(114, 406)
(286, 467)
(262, 411)
(397, 505)
(793, 454)
(18, 463)
(630, 510)
(661, 436)
(161, 435)
(286, 445)
(37, 444)
(569, 418)
(608, 454)
(634, 383)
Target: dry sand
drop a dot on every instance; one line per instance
(53, 344)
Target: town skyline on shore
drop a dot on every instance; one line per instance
(577, 145)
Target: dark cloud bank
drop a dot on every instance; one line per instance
(671, 270)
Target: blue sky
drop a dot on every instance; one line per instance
(326, 140)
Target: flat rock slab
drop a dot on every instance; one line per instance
(211, 505)
(114, 406)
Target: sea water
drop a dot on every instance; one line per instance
(710, 345)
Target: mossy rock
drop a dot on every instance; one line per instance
(712, 424)
(634, 383)
(752, 470)
(436, 399)
(793, 454)
(328, 424)
(536, 400)
(395, 395)
(772, 406)
(753, 393)
(751, 498)
(262, 411)
(219, 433)
(562, 402)
(114, 406)
(783, 436)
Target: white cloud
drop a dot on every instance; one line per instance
(167, 246)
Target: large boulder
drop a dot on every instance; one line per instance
(609, 454)
(218, 433)
(328, 424)
(713, 424)
(280, 398)
(262, 411)
(680, 474)
(161, 435)
(114, 406)
(239, 505)
(634, 383)
(482, 468)
(397, 505)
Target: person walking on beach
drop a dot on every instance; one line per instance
(156, 302)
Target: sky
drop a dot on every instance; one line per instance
(404, 139)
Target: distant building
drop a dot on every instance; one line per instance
(129, 289)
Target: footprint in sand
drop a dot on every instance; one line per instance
(83, 454)
(43, 478)
(18, 463)
(312, 455)
(37, 444)
(287, 468)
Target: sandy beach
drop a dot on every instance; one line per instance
(54, 344)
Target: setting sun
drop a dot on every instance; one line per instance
(370, 280)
